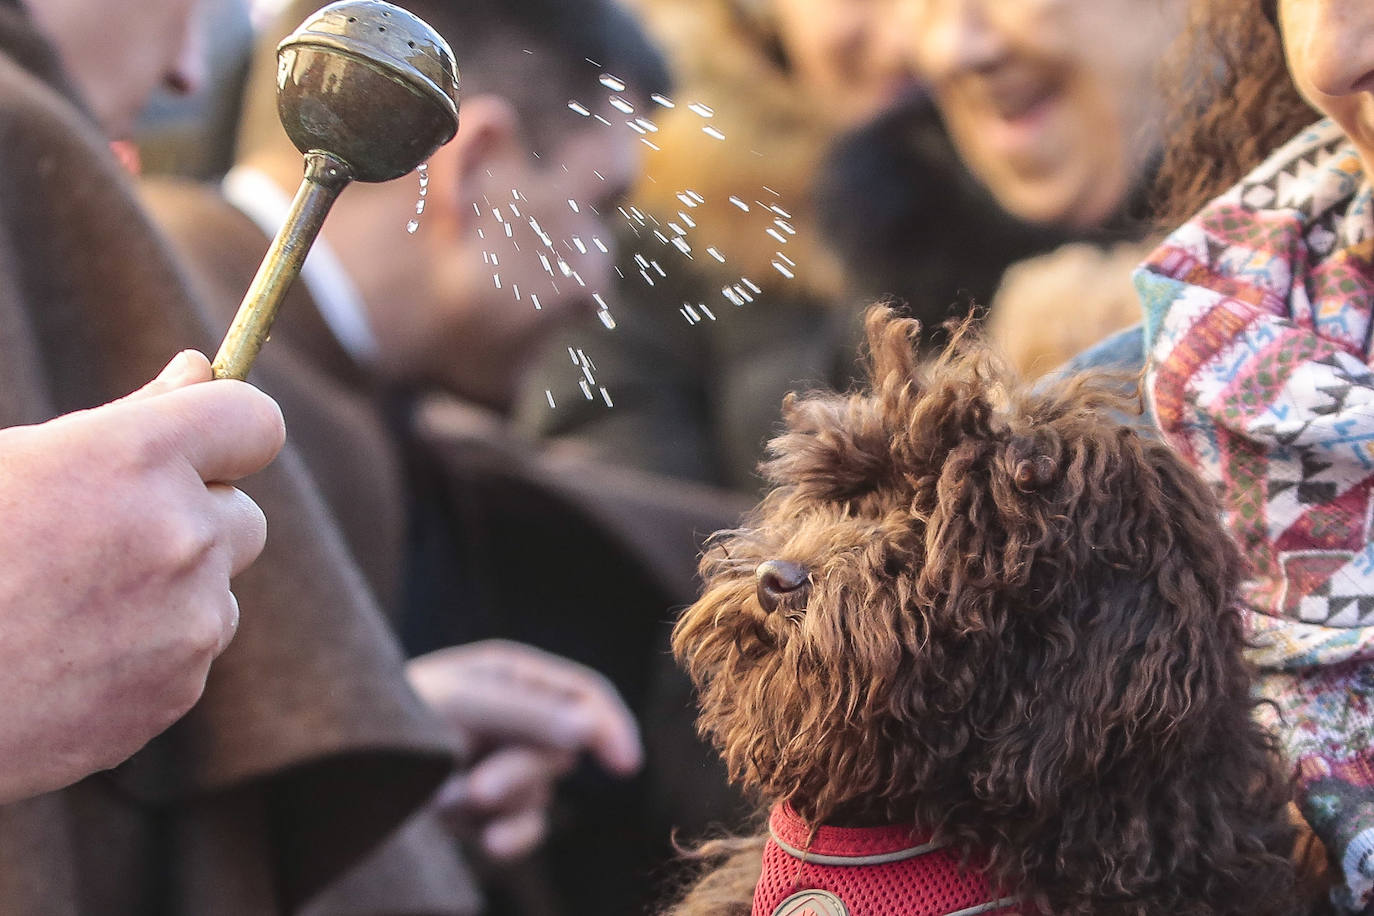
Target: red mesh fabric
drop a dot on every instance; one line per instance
(931, 884)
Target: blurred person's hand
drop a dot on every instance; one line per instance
(119, 536)
(524, 716)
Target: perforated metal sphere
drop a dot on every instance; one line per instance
(370, 83)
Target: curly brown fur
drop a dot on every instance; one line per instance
(1018, 632)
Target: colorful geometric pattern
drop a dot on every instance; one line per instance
(1259, 314)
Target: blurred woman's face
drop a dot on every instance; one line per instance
(118, 53)
(1052, 103)
(849, 53)
(1329, 45)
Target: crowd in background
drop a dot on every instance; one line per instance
(444, 685)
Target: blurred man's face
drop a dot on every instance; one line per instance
(464, 303)
(1329, 46)
(1052, 103)
(573, 192)
(848, 53)
(118, 53)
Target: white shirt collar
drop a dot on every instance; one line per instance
(341, 306)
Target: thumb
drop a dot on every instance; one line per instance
(186, 368)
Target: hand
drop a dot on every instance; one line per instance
(118, 536)
(525, 716)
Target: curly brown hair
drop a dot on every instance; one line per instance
(995, 613)
(1232, 103)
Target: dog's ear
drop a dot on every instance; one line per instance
(1114, 747)
(837, 448)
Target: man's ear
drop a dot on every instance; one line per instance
(488, 136)
(469, 165)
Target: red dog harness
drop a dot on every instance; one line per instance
(869, 871)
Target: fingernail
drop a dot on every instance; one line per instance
(178, 370)
(486, 789)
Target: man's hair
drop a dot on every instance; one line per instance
(537, 54)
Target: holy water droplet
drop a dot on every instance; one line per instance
(612, 83)
(412, 226)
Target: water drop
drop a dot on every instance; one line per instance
(785, 226)
(785, 258)
(687, 219)
(779, 210)
(412, 226)
(419, 206)
(586, 389)
(647, 279)
(496, 278)
(598, 174)
(612, 83)
(606, 396)
(677, 229)
(783, 270)
(606, 319)
(648, 125)
(509, 231)
(782, 239)
(716, 254)
(709, 314)
(657, 268)
(635, 127)
(602, 120)
(535, 299)
(581, 248)
(573, 204)
(662, 100)
(621, 105)
(602, 245)
(739, 203)
(580, 109)
(698, 108)
(572, 354)
(651, 144)
(751, 284)
(549, 394)
(710, 131)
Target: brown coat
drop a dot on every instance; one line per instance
(307, 748)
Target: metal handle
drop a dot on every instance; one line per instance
(325, 177)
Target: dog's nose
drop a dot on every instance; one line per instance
(779, 581)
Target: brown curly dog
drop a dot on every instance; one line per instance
(1001, 617)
